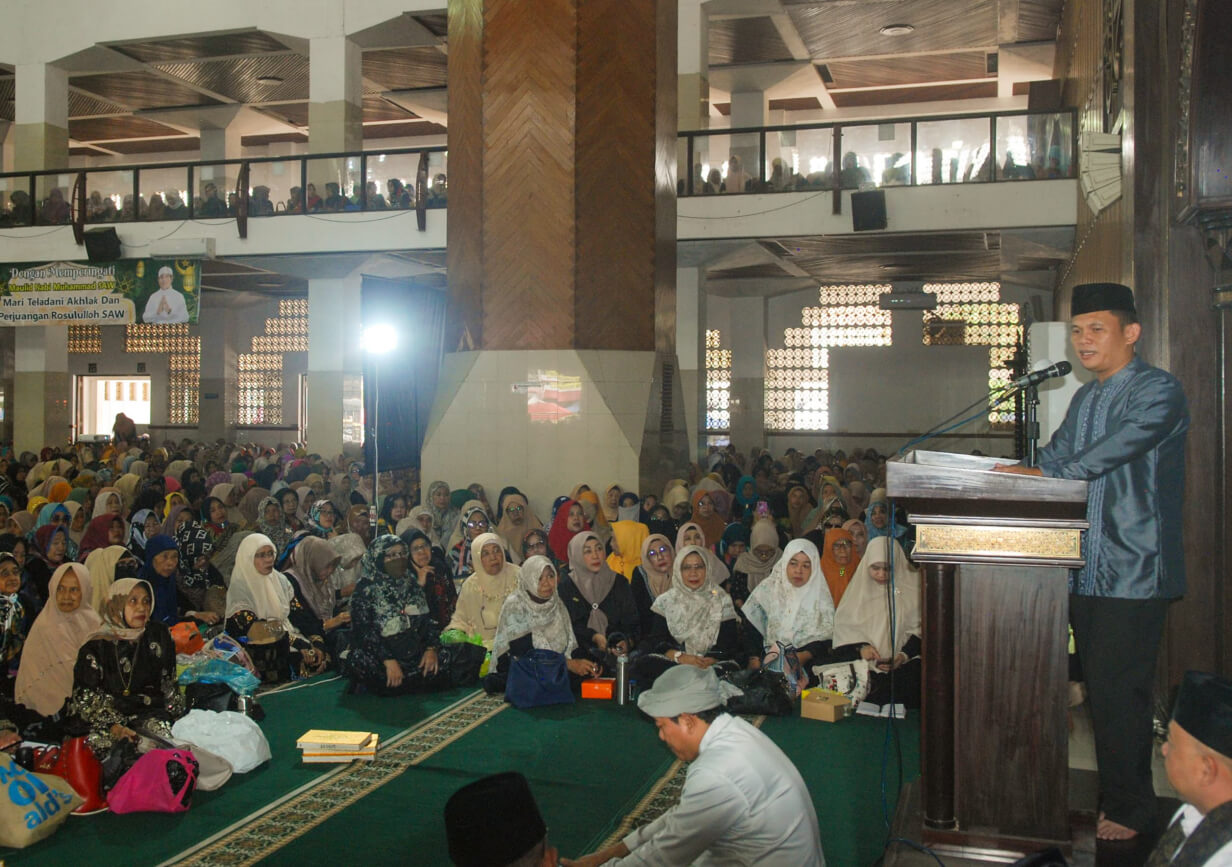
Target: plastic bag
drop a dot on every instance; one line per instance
(241, 681)
(228, 734)
(458, 636)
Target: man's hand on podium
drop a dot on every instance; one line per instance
(1017, 469)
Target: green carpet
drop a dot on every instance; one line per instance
(590, 764)
(148, 838)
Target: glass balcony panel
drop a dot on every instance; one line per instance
(1035, 147)
(953, 151)
(52, 199)
(163, 193)
(877, 153)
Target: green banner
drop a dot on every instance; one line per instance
(160, 291)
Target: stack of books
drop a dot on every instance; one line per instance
(320, 746)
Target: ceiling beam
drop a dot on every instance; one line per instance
(1007, 21)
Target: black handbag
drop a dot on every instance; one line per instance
(210, 696)
(765, 692)
(122, 756)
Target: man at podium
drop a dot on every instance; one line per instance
(1124, 434)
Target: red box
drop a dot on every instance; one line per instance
(599, 687)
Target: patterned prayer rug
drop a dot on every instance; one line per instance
(258, 835)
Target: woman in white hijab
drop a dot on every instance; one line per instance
(863, 628)
(261, 604)
(792, 607)
(695, 622)
(485, 591)
(533, 617)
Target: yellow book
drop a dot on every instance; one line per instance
(323, 740)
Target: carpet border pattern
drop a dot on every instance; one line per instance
(273, 827)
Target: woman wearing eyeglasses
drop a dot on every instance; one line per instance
(695, 622)
(652, 578)
(473, 523)
(262, 607)
(514, 520)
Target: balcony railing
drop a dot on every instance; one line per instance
(1005, 146)
(265, 187)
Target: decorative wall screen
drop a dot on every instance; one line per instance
(259, 378)
(971, 314)
(797, 387)
(718, 383)
(85, 339)
(183, 363)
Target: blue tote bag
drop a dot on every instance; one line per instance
(539, 678)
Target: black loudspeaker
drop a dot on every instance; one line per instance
(868, 211)
(102, 245)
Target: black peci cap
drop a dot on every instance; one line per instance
(1204, 709)
(1093, 297)
(493, 822)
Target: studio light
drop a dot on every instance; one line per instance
(380, 339)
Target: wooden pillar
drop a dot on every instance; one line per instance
(562, 122)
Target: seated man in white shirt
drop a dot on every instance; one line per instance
(743, 801)
(166, 306)
(1198, 758)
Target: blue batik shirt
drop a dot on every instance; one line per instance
(1126, 438)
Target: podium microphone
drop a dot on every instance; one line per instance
(1061, 368)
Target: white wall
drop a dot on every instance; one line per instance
(908, 209)
(879, 396)
(226, 330)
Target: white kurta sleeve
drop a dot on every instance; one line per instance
(709, 806)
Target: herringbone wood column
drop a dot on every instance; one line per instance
(562, 178)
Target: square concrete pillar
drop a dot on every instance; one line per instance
(40, 129)
(335, 92)
(43, 388)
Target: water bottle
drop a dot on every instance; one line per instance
(622, 679)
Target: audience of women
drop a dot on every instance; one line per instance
(45, 678)
(753, 566)
(124, 677)
(695, 622)
(262, 607)
(483, 593)
(865, 629)
(533, 617)
(14, 621)
(838, 561)
(396, 646)
(431, 571)
(791, 609)
(652, 578)
(599, 602)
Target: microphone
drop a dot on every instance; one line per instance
(1061, 368)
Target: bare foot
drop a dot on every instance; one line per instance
(1106, 829)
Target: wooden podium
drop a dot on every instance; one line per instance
(995, 549)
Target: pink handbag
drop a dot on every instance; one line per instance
(161, 781)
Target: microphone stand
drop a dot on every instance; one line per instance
(1031, 398)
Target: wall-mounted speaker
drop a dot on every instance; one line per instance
(868, 211)
(102, 245)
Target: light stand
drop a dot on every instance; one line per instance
(378, 340)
